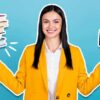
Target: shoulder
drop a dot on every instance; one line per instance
(75, 49)
(30, 47)
(77, 55)
(28, 52)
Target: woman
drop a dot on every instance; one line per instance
(53, 68)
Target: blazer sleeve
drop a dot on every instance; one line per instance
(15, 83)
(87, 83)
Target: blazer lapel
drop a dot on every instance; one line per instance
(61, 70)
(43, 65)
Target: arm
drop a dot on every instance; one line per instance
(86, 83)
(16, 83)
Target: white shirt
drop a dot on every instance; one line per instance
(53, 59)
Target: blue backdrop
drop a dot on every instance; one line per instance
(83, 24)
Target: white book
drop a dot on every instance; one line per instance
(4, 23)
(3, 17)
(1, 29)
(3, 42)
(99, 37)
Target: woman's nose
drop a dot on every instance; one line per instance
(51, 25)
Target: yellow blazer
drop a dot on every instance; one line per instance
(35, 82)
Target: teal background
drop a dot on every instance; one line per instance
(83, 24)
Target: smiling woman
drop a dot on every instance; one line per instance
(51, 26)
(51, 69)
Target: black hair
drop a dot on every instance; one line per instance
(63, 36)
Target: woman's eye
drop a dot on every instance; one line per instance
(45, 21)
(56, 21)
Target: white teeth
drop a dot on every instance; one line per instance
(50, 31)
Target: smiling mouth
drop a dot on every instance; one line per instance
(51, 31)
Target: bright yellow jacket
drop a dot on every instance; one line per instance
(35, 82)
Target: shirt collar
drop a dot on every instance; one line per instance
(48, 50)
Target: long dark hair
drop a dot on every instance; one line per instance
(63, 36)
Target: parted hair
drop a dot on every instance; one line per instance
(63, 36)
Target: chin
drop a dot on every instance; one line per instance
(51, 37)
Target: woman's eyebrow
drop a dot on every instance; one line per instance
(53, 19)
(45, 19)
(57, 19)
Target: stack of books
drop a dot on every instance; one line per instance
(3, 25)
(99, 37)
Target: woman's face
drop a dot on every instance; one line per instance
(51, 24)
